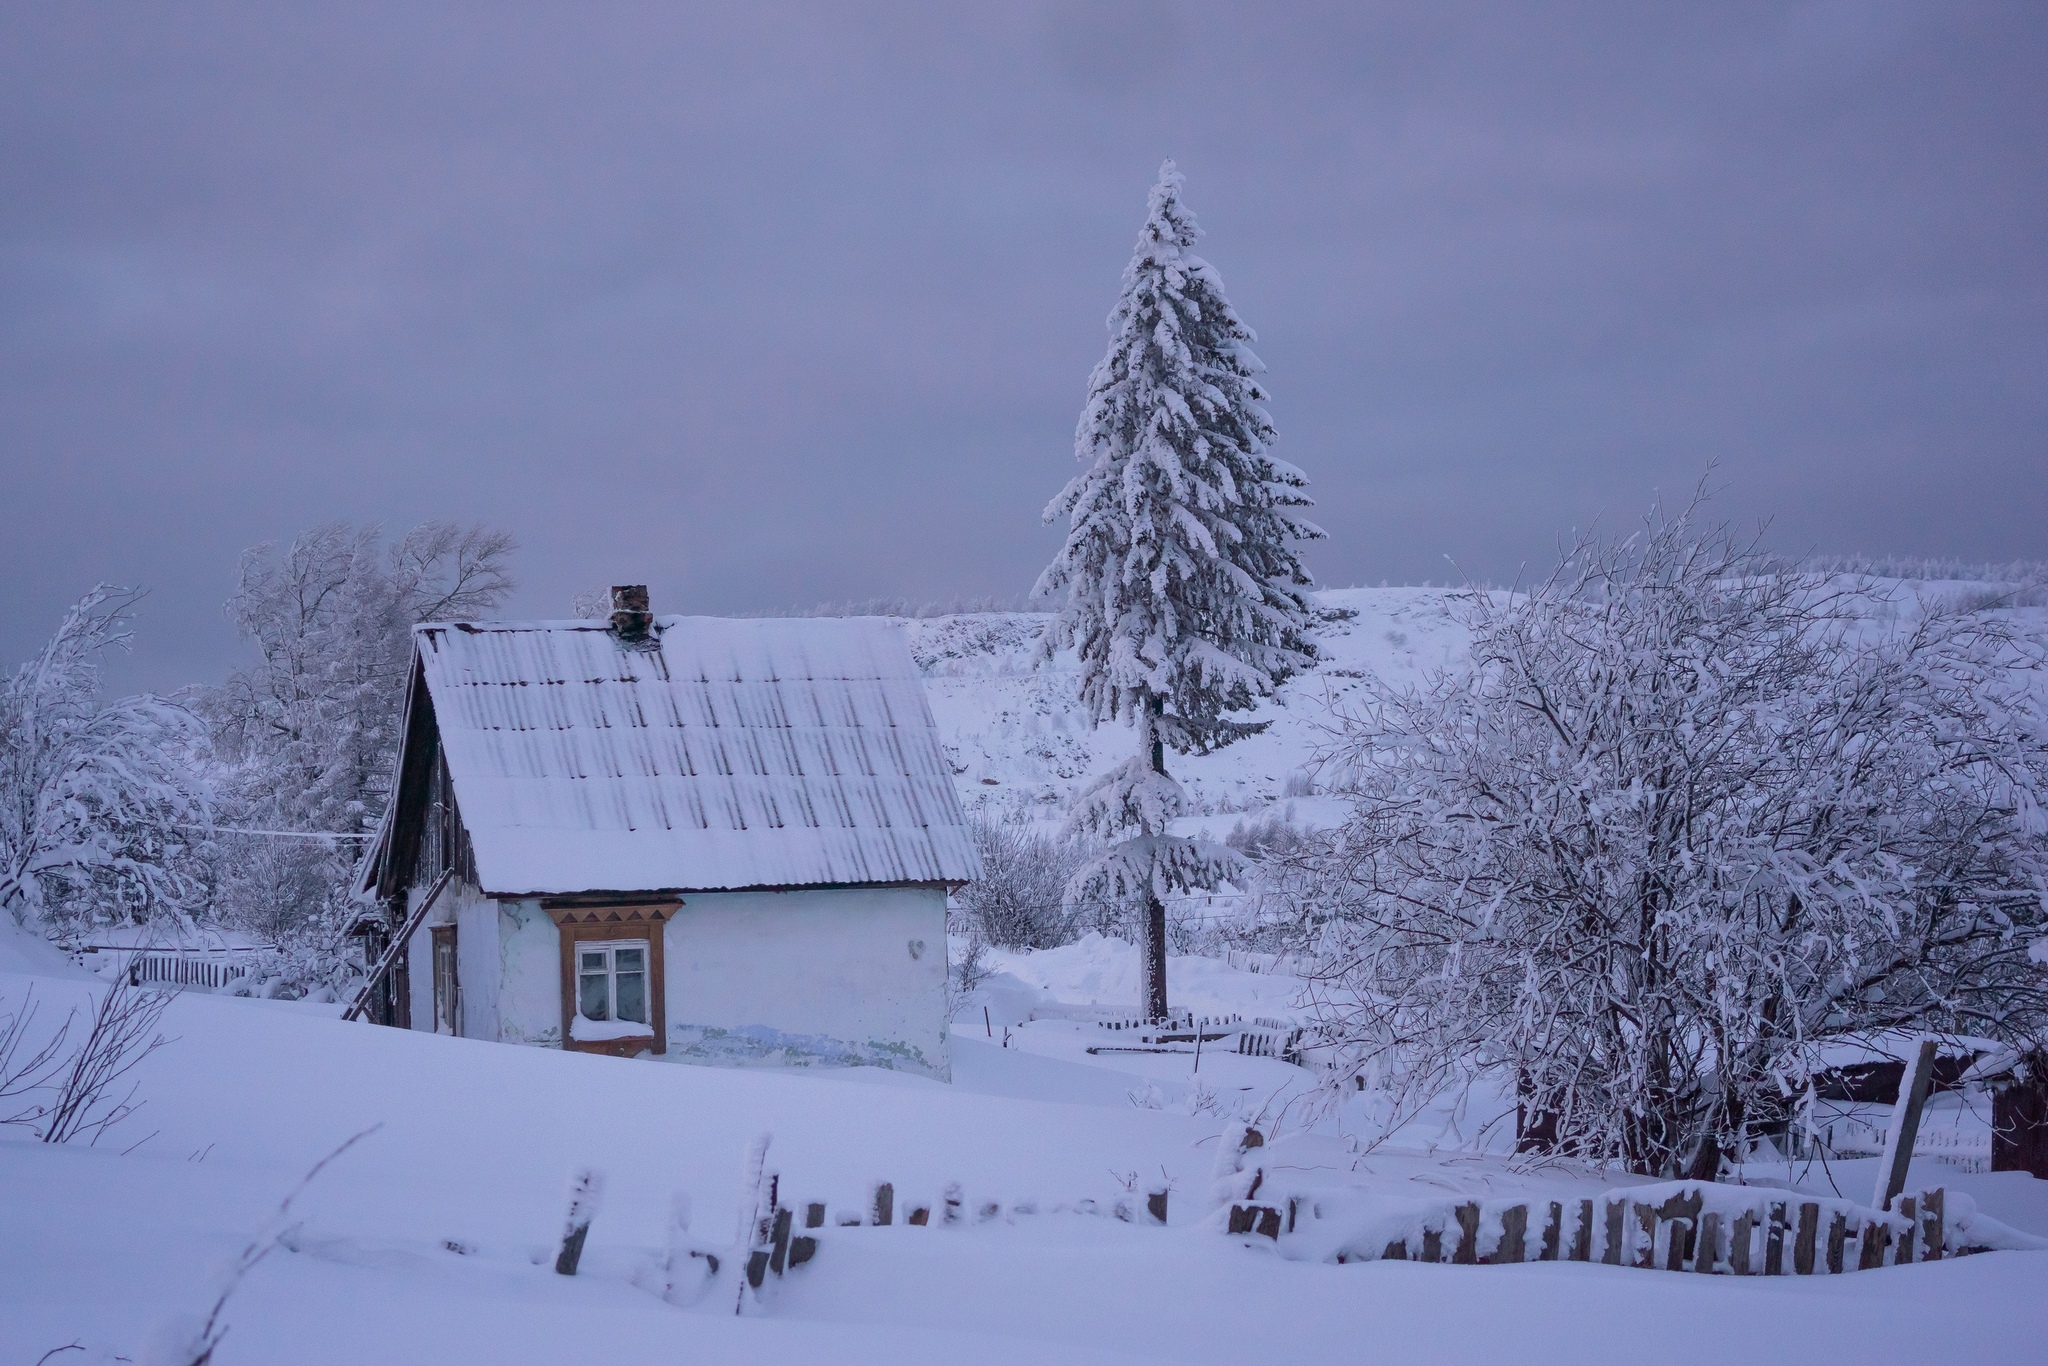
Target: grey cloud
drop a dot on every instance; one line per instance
(777, 304)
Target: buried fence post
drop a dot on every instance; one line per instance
(1933, 1238)
(1809, 1233)
(1467, 1251)
(1553, 1234)
(586, 1189)
(1909, 1210)
(1738, 1243)
(1838, 1235)
(1155, 1206)
(1582, 1236)
(1707, 1245)
(1514, 1234)
(882, 1208)
(1774, 1240)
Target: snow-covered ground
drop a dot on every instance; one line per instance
(432, 1239)
(478, 1140)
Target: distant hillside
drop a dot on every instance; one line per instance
(1019, 741)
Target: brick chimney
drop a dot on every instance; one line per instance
(631, 620)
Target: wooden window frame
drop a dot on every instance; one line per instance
(452, 1008)
(646, 921)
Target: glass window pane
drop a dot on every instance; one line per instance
(632, 988)
(628, 960)
(590, 999)
(593, 960)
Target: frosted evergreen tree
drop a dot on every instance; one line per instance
(1183, 594)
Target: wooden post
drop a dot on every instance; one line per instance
(757, 1197)
(1809, 1233)
(1646, 1221)
(1774, 1240)
(1610, 1255)
(1155, 1206)
(1738, 1243)
(1432, 1245)
(1870, 1246)
(1838, 1237)
(1898, 1141)
(1397, 1251)
(1933, 1236)
(586, 1191)
(814, 1214)
(951, 1217)
(1553, 1234)
(1909, 1210)
(884, 1206)
(1706, 1249)
(1467, 1251)
(1514, 1235)
(1582, 1236)
(920, 1215)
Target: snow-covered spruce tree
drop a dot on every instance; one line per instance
(1682, 823)
(98, 799)
(1183, 593)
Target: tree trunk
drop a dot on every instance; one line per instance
(1155, 958)
(1155, 909)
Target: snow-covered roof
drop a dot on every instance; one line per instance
(724, 754)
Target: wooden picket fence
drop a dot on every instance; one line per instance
(1779, 1234)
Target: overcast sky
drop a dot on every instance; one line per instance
(774, 305)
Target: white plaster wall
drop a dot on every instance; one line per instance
(529, 975)
(816, 977)
(476, 932)
(475, 917)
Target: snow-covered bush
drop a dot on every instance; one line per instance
(1018, 902)
(1681, 822)
(98, 799)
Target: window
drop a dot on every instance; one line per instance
(447, 985)
(611, 981)
(611, 973)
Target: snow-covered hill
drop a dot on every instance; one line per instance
(1020, 742)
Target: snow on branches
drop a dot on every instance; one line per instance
(1681, 822)
(1184, 597)
(1180, 577)
(96, 797)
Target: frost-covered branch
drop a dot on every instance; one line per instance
(1681, 822)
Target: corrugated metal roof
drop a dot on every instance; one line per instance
(756, 753)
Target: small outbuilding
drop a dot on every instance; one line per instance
(727, 841)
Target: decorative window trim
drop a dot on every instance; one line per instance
(575, 921)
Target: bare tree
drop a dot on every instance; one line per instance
(307, 732)
(1679, 823)
(28, 1066)
(87, 1097)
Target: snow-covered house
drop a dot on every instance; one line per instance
(727, 840)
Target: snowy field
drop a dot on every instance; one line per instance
(432, 1239)
(477, 1142)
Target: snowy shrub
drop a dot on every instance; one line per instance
(1680, 823)
(1017, 903)
(97, 799)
